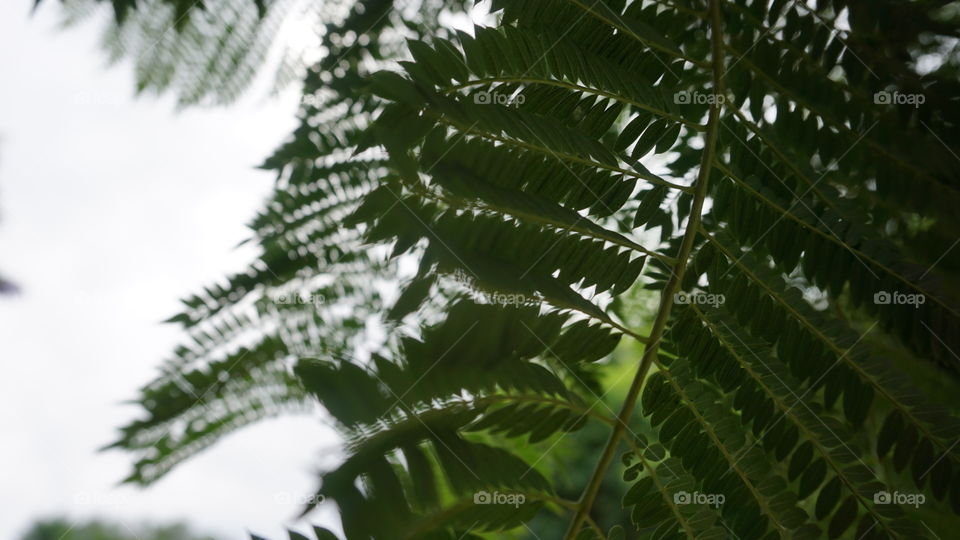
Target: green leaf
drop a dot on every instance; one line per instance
(812, 478)
(889, 433)
(828, 498)
(844, 517)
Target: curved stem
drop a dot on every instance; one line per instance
(527, 79)
(661, 488)
(666, 299)
(559, 155)
(536, 398)
(604, 236)
(621, 27)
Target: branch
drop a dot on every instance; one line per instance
(666, 298)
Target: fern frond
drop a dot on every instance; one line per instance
(520, 184)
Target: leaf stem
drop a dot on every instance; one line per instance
(579, 88)
(666, 299)
(563, 156)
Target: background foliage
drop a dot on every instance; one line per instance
(61, 528)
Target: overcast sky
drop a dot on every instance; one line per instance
(112, 208)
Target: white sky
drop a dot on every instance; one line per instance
(111, 209)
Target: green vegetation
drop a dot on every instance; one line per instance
(779, 179)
